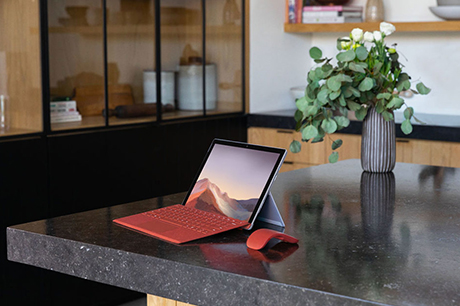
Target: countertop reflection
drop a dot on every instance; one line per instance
(364, 238)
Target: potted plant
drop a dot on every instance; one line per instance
(367, 79)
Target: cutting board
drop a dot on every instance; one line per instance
(90, 99)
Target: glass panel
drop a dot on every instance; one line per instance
(131, 61)
(224, 53)
(20, 71)
(182, 53)
(76, 63)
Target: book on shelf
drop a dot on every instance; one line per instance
(333, 8)
(63, 104)
(331, 19)
(66, 118)
(60, 110)
(307, 14)
(294, 11)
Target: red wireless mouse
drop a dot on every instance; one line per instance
(261, 237)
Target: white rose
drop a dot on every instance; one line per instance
(377, 36)
(357, 34)
(387, 28)
(368, 36)
(345, 43)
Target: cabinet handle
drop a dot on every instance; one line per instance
(288, 163)
(285, 132)
(402, 140)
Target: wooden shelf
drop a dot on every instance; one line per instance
(17, 131)
(429, 26)
(147, 29)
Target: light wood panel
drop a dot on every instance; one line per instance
(425, 152)
(434, 26)
(153, 300)
(428, 152)
(20, 75)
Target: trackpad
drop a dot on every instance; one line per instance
(158, 226)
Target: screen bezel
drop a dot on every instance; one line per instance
(281, 155)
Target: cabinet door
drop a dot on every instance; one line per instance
(427, 152)
(20, 70)
(76, 63)
(311, 154)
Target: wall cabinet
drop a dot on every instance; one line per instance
(425, 152)
(105, 54)
(311, 154)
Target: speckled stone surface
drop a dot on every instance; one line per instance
(436, 127)
(365, 239)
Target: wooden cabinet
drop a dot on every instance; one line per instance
(425, 152)
(428, 152)
(311, 154)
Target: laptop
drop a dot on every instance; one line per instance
(228, 192)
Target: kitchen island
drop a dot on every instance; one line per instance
(365, 239)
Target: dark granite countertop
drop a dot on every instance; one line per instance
(437, 127)
(365, 239)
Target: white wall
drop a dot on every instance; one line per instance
(433, 58)
(278, 60)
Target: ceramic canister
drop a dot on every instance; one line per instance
(167, 87)
(190, 87)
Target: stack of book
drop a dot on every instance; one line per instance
(332, 14)
(64, 111)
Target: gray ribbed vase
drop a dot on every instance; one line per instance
(378, 144)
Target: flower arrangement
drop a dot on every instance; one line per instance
(364, 77)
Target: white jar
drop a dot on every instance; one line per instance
(190, 87)
(167, 87)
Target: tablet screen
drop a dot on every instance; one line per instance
(234, 179)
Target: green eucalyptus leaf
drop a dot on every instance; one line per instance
(342, 122)
(337, 144)
(327, 67)
(347, 92)
(386, 96)
(319, 61)
(387, 116)
(408, 113)
(366, 84)
(344, 78)
(342, 101)
(334, 157)
(323, 96)
(333, 84)
(422, 89)
(353, 106)
(316, 53)
(353, 66)
(311, 110)
(395, 103)
(298, 116)
(346, 56)
(335, 94)
(361, 113)
(406, 127)
(317, 139)
(301, 104)
(295, 146)
(361, 53)
(380, 107)
(329, 125)
(309, 132)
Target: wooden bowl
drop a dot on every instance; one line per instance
(77, 12)
(332, 2)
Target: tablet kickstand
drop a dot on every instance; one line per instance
(270, 213)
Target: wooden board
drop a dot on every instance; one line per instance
(90, 99)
